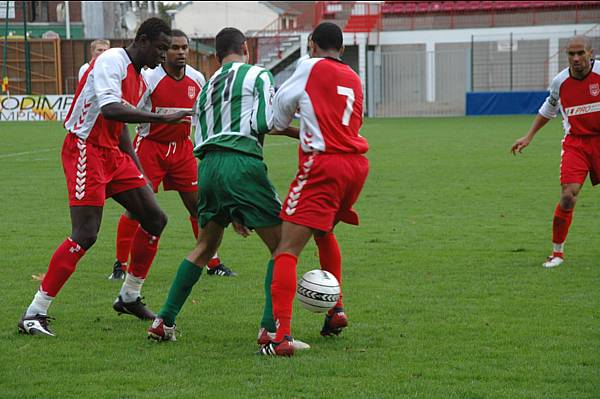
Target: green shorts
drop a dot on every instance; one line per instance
(235, 186)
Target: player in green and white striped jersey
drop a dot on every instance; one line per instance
(234, 109)
(234, 112)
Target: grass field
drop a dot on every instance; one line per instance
(443, 281)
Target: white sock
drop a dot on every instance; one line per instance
(131, 289)
(558, 247)
(40, 304)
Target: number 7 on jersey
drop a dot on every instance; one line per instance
(349, 93)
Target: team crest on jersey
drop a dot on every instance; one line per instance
(191, 92)
(594, 89)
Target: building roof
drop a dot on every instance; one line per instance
(282, 7)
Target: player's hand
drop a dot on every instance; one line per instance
(178, 117)
(520, 144)
(241, 229)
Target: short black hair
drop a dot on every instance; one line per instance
(328, 36)
(179, 33)
(152, 28)
(229, 41)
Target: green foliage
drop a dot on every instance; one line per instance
(443, 281)
(164, 8)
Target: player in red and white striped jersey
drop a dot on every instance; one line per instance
(575, 91)
(99, 162)
(166, 151)
(331, 172)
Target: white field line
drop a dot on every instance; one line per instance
(18, 154)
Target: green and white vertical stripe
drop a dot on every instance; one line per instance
(234, 109)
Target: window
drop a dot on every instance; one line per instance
(39, 11)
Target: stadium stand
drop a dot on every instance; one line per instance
(399, 15)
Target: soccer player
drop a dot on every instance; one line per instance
(331, 172)
(97, 47)
(233, 114)
(575, 91)
(166, 151)
(99, 162)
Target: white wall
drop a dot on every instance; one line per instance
(207, 18)
(464, 35)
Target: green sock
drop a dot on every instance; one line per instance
(268, 322)
(187, 275)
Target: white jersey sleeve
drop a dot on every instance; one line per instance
(82, 70)
(262, 107)
(550, 107)
(288, 96)
(195, 75)
(109, 71)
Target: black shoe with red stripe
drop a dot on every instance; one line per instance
(334, 323)
(283, 348)
(220, 270)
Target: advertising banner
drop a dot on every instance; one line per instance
(34, 108)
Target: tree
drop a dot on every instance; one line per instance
(164, 8)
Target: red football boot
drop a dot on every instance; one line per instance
(335, 323)
(283, 348)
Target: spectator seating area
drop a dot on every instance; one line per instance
(422, 7)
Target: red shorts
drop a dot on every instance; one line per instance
(95, 173)
(580, 155)
(171, 163)
(324, 190)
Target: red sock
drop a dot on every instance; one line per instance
(214, 262)
(62, 265)
(330, 259)
(194, 222)
(560, 224)
(283, 287)
(125, 231)
(143, 251)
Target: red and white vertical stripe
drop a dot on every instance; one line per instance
(81, 170)
(294, 195)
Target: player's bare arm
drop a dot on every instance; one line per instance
(123, 113)
(126, 146)
(538, 123)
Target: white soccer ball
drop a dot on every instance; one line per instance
(318, 291)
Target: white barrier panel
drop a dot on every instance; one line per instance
(34, 108)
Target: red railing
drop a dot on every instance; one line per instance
(350, 15)
(270, 37)
(412, 15)
(427, 7)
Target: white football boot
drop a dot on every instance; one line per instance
(553, 261)
(35, 325)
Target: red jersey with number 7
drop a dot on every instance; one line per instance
(330, 97)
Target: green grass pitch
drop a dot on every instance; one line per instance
(443, 281)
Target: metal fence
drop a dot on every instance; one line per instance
(520, 62)
(407, 80)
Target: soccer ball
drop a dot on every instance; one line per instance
(318, 291)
